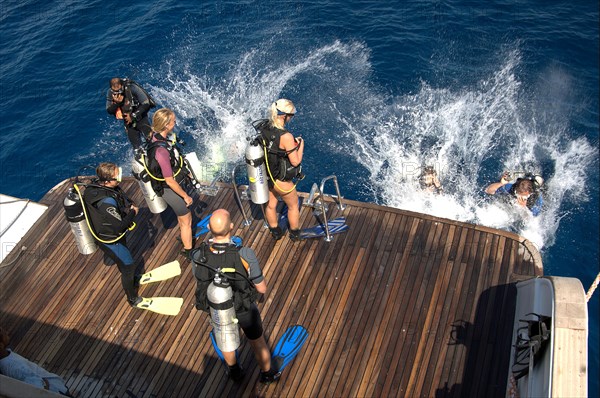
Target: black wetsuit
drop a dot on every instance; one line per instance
(139, 130)
(110, 216)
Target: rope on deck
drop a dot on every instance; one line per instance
(588, 295)
(18, 215)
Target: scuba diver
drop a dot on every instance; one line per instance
(428, 180)
(111, 215)
(127, 100)
(526, 191)
(283, 160)
(168, 172)
(246, 282)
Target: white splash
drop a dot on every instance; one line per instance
(464, 135)
(470, 136)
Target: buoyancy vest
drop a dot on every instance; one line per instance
(175, 159)
(134, 97)
(222, 255)
(278, 162)
(105, 224)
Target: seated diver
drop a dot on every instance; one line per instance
(525, 190)
(428, 180)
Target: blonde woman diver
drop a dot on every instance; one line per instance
(166, 167)
(284, 158)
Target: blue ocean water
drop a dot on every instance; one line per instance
(382, 88)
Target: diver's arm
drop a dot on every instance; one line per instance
(109, 206)
(112, 106)
(174, 185)
(162, 157)
(294, 147)
(250, 262)
(143, 102)
(261, 287)
(493, 187)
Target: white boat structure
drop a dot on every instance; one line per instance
(550, 337)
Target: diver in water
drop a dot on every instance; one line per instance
(525, 190)
(429, 181)
(128, 101)
(284, 158)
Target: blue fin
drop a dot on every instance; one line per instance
(217, 349)
(288, 346)
(237, 241)
(203, 226)
(336, 226)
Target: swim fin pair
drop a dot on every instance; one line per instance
(161, 305)
(336, 226)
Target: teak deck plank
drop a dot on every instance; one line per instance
(401, 304)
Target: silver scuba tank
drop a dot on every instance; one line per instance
(76, 218)
(257, 173)
(155, 203)
(222, 314)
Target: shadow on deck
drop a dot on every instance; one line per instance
(403, 304)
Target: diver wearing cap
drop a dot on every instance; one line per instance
(283, 160)
(127, 100)
(525, 190)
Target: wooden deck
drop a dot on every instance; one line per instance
(403, 304)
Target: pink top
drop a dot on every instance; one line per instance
(164, 160)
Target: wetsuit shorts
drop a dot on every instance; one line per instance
(175, 202)
(251, 323)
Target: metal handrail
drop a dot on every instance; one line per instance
(321, 203)
(247, 221)
(210, 190)
(328, 237)
(341, 206)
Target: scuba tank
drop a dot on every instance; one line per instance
(257, 173)
(155, 203)
(195, 167)
(76, 218)
(222, 313)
